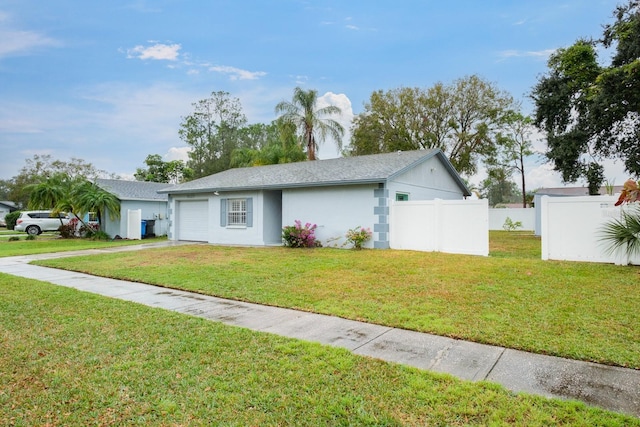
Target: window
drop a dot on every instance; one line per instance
(402, 197)
(237, 212)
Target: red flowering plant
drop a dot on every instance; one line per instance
(299, 236)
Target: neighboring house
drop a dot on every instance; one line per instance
(135, 195)
(249, 206)
(563, 192)
(5, 208)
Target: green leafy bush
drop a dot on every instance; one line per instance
(30, 237)
(100, 235)
(11, 219)
(510, 225)
(14, 238)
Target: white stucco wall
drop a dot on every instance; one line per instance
(256, 235)
(334, 210)
(427, 181)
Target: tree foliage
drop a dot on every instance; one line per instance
(157, 170)
(73, 195)
(514, 145)
(213, 132)
(274, 144)
(40, 168)
(461, 119)
(498, 187)
(591, 112)
(314, 124)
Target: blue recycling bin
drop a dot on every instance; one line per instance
(143, 228)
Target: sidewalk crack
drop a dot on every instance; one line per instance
(494, 364)
(372, 339)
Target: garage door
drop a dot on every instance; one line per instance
(193, 220)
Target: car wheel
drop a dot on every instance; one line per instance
(33, 230)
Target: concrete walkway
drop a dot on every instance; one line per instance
(613, 388)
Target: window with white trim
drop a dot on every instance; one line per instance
(237, 212)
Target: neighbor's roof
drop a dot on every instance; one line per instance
(574, 191)
(133, 190)
(8, 204)
(341, 171)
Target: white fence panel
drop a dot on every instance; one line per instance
(570, 229)
(527, 216)
(134, 224)
(452, 226)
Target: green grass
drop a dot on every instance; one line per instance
(46, 243)
(73, 358)
(582, 311)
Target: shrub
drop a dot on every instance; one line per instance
(30, 237)
(89, 230)
(100, 235)
(510, 225)
(358, 236)
(68, 230)
(297, 236)
(11, 219)
(14, 238)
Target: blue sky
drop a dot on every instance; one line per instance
(108, 82)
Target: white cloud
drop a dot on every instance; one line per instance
(177, 153)
(352, 27)
(158, 51)
(19, 42)
(237, 73)
(328, 149)
(542, 54)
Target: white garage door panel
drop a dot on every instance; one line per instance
(193, 220)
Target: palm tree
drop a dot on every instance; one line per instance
(91, 198)
(54, 193)
(301, 112)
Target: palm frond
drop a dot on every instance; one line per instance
(623, 234)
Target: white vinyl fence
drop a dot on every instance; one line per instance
(527, 216)
(452, 226)
(570, 229)
(134, 220)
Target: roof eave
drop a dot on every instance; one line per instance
(277, 186)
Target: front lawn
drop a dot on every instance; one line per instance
(51, 242)
(581, 311)
(74, 358)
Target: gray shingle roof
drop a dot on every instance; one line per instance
(8, 204)
(341, 171)
(133, 190)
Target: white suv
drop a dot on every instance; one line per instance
(35, 222)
